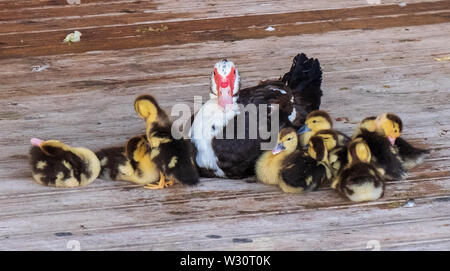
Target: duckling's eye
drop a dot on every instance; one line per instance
(289, 138)
(314, 121)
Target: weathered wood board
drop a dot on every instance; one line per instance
(388, 57)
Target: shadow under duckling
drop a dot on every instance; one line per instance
(54, 163)
(410, 156)
(360, 180)
(172, 155)
(290, 167)
(129, 163)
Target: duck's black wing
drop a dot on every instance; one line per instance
(239, 146)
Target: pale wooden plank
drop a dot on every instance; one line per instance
(317, 229)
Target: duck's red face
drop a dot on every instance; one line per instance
(225, 83)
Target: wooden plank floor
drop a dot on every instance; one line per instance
(388, 57)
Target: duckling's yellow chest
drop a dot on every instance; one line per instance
(268, 168)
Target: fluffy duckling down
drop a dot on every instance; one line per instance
(336, 147)
(54, 163)
(360, 180)
(290, 167)
(130, 163)
(172, 155)
(316, 121)
(382, 136)
(390, 126)
(319, 123)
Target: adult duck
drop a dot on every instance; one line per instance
(297, 93)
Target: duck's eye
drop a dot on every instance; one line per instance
(314, 121)
(289, 139)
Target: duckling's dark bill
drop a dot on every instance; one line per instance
(278, 148)
(303, 129)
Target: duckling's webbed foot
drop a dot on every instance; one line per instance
(169, 183)
(161, 184)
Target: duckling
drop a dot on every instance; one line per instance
(336, 147)
(130, 163)
(360, 180)
(172, 155)
(289, 167)
(316, 121)
(410, 156)
(308, 171)
(54, 163)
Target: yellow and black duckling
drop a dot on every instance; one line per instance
(319, 123)
(54, 163)
(336, 144)
(130, 163)
(316, 121)
(172, 155)
(410, 156)
(360, 180)
(381, 134)
(290, 167)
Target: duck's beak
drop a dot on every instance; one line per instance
(225, 98)
(303, 129)
(278, 148)
(36, 142)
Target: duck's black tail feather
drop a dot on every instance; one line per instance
(305, 80)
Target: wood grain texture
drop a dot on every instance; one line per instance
(375, 59)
